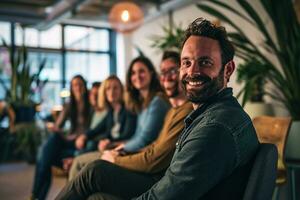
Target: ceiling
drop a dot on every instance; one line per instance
(42, 14)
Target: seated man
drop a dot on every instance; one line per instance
(213, 155)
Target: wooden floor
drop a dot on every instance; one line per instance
(16, 182)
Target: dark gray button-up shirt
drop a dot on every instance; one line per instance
(218, 140)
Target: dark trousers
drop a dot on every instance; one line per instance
(105, 177)
(53, 151)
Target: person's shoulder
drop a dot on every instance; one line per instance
(230, 110)
(183, 109)
(187, 106)
(229, 116)
(160, 98)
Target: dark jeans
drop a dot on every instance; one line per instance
(53, 151)
(105, 177)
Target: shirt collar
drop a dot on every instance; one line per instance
(225, 93)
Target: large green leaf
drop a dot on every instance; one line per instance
(285, 74)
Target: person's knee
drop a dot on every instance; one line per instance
(75, 168)
(95, 169)
(96, 164)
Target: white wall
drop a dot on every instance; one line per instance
(142, 36)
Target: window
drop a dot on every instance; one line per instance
(5, 71)
(93, 67)
(83, 38)
(33, 38)
(55, 41)
(48, 94)
(28, 36)
(5, 31)
(88, 51)
(52, 70)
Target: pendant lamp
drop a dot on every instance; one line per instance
(125, 17)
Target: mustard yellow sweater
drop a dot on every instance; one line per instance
(157, 156)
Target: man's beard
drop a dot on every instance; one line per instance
(210, 87)
(174, 91)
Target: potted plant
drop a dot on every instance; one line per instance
(252, 74)
(22, 107)
(23, 84)
(283, 70)
(170, 40)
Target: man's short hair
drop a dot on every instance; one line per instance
(96, 84)
(173, 55)
(202, 27)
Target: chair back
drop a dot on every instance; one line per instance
(292, 150)
(261, 182)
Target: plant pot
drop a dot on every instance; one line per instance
(24, 113)
(255, 109)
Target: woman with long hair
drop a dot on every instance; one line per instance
(60, 145)
(118, 124)
(145, 97)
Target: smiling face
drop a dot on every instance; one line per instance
(78, 87)
(169, 77)
(113, 91)
(201, 71)
(140, 76)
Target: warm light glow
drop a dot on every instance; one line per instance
(64, 93)
(125, 16)
(57, 108)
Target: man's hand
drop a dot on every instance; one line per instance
(102, 144)
(109, 155)
(80, 141)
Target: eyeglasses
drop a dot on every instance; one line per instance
(169, 72)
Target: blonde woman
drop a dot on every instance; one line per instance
(118, 124)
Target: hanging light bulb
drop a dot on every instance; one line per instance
(125, 17)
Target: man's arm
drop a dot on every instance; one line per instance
(157, 156)
(203, 159)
